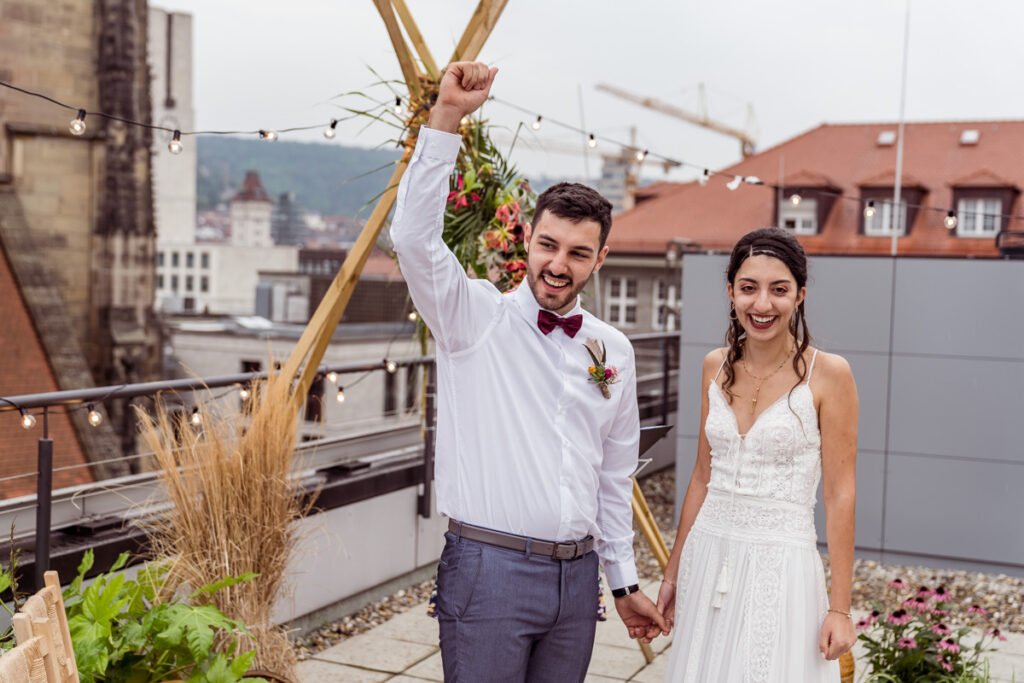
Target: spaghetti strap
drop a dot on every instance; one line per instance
(720, 368)
(810, 370)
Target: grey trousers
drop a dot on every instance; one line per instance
(509, 617)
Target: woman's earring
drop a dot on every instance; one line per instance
(732, 312)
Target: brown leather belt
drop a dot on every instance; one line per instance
(557, 551)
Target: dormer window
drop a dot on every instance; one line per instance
(980, 200)
(799, 214)
(979, 217)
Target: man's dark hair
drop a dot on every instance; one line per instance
(575, 202)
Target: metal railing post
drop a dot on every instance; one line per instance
(44, 496)
(426, 498)
(664, 380)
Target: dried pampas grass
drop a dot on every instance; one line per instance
(233, 510)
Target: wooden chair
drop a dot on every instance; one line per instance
(43, 617)
(26, 663)
(846, 668)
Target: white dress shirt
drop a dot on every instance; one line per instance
(526, 443)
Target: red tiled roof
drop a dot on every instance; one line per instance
(252, 189)
(848, 156)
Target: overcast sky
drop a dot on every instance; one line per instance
(798, 62)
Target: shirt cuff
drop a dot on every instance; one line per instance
(621, 574)
(437, 144)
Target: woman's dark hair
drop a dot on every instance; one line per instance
(780, 244)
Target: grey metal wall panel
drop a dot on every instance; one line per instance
(705, 303)
(955, 508)
(869, 372)
(957, 407)
(960, 307)
(848, 303)
(691, 362)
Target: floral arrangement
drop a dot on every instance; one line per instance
(602, 375)
(916, 641)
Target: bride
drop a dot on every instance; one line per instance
(745, 584)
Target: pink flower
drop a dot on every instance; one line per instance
(899, 617)
(945, 663)
(924, 592)
(897, 584)
(936, 612)
(608, 373)
(941, 629)
(461, 202)
(949, 645)
(863, 625)
(940, 594)
(515, 265)
(460, 183)
(452, 196)
(474, 197)
(906, 644)
(918, 604)
(997, 634)
(977, 609)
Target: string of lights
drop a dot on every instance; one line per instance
(77, 126)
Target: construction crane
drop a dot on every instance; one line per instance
(747, 142)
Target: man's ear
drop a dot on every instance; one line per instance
(600, 258)
(527, 234)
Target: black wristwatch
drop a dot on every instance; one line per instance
(623, 592)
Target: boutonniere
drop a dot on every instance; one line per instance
(599, 373)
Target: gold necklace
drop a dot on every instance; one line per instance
(762, 380)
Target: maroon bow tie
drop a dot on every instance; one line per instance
(547, 321)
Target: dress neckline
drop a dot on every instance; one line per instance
(771, 406)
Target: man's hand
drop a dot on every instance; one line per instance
(641, 617)
(464, 87)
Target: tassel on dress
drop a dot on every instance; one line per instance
(721, 585)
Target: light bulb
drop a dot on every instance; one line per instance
(536, 124)
(869, 210)
(703, 180)
(340, 398)
(413, 316)
(641, 155)
(175, 146)
(77, 125)
(196, 418)
(269, 135)
(95, 416)
(244, 393)
(592, 141)
(795, 198)
(398, 105)
(391, 366)
(734, 183)
(951, 221)
(332, 377)
(28, 420)
(464, 121)
(329, 131)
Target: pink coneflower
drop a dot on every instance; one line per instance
(897, 584)
(917, 603)
(949, 645)
(906, 644)
(863, 625)
(940, 613)
(945, 663)
(997, 634)
(925, 592)
(941, 629)
(940, 594)
(977, 609)
(899, 617)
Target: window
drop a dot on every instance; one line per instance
(159, 259)
(204, 283)
(159, 280)
(665, 311)
(174, 259)
(174, 283)
(801, 218)
(190, 259)
(189, 282)
(880, 224)
(204, 260)
(621, 301)
(978, 217)
(189, 304)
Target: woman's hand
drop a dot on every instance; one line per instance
(837, 636)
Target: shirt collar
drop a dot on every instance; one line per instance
(528, 303)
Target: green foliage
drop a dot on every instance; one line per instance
(123, 632)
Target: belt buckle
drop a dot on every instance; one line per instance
(561, 549)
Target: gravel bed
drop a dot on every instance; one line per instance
(1002, 596)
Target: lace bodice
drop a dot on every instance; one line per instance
(780, 455)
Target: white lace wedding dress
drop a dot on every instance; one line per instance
(751, 595)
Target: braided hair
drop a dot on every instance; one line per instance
(780, 244)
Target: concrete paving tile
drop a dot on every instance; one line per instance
(616, 662)
(653, 672)
(413, 626)
(429, 669)
(316, 671)
(380, 654)
(593, 678)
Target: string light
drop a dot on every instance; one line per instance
(536, 124)
(413, 316)
(244, 393)
(398, 105)
(869, 210)
(950, 220)
(77, 125)
(332, 377)
(175, 146)
(329, 131)
(734, 183)
(340, 398)
(268, 135)
(592, 141)
(196, 418)
(641, 155)
(95, 416)
(703, 180)
(28, 420)
(795, 198)
(391, 366)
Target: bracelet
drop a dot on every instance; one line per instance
(671, 583)
(845, 614)
(623, 592)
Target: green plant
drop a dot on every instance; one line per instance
(128, 631)
(9, 581)
(914, 643)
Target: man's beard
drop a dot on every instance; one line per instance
(553, 302)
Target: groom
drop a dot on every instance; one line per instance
(533, 457)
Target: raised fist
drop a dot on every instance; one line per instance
(464, 87)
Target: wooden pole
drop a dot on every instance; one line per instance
(410, 72)
(416, 37)
(479, 28)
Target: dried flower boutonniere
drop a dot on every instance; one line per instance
(600, 374)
